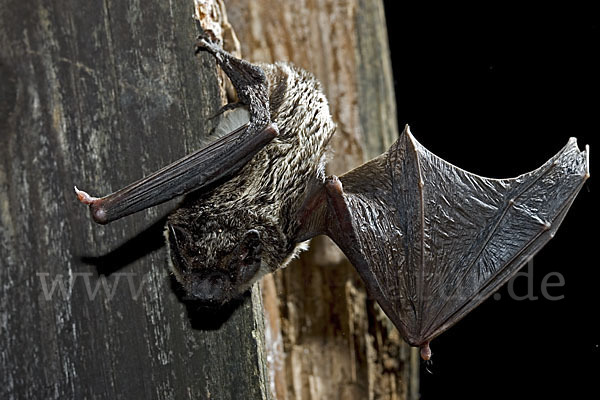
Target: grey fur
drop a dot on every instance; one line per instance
(268, 190)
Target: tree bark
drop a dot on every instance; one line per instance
(326, 338)
(99, 94)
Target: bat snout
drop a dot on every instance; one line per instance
(212, 289)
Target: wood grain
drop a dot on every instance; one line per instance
(326, 339)
(98, 94)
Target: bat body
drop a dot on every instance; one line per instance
(209, 229)
(431, 241)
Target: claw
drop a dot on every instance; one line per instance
(96, 205)
(205, 42)
(202, 42)
(84, 197)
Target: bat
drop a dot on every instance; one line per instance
(430, 240)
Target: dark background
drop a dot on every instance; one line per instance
(498, 92)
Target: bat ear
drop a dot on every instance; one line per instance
(250, 247)
(249, 253)
(177, 239)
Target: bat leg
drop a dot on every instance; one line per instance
(342, 230)
(249, 81)
(323, 199)
(335, 195)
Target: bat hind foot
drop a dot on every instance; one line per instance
(205, 43)
(425, 351)
(249, 81)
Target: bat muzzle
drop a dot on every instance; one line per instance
(212, 289)
(214, 281)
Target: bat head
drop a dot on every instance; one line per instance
(215, 261)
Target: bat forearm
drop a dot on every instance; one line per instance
(220, 160)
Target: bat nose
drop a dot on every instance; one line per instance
(212, 288)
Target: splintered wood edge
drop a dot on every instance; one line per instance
(258, 334)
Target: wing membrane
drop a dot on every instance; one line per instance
(432, 241)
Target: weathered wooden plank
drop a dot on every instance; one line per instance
(99, 94)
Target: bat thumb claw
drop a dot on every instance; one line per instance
(84, 197)
(96, 206)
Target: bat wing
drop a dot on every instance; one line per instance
(220, 159)
(432, 241)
